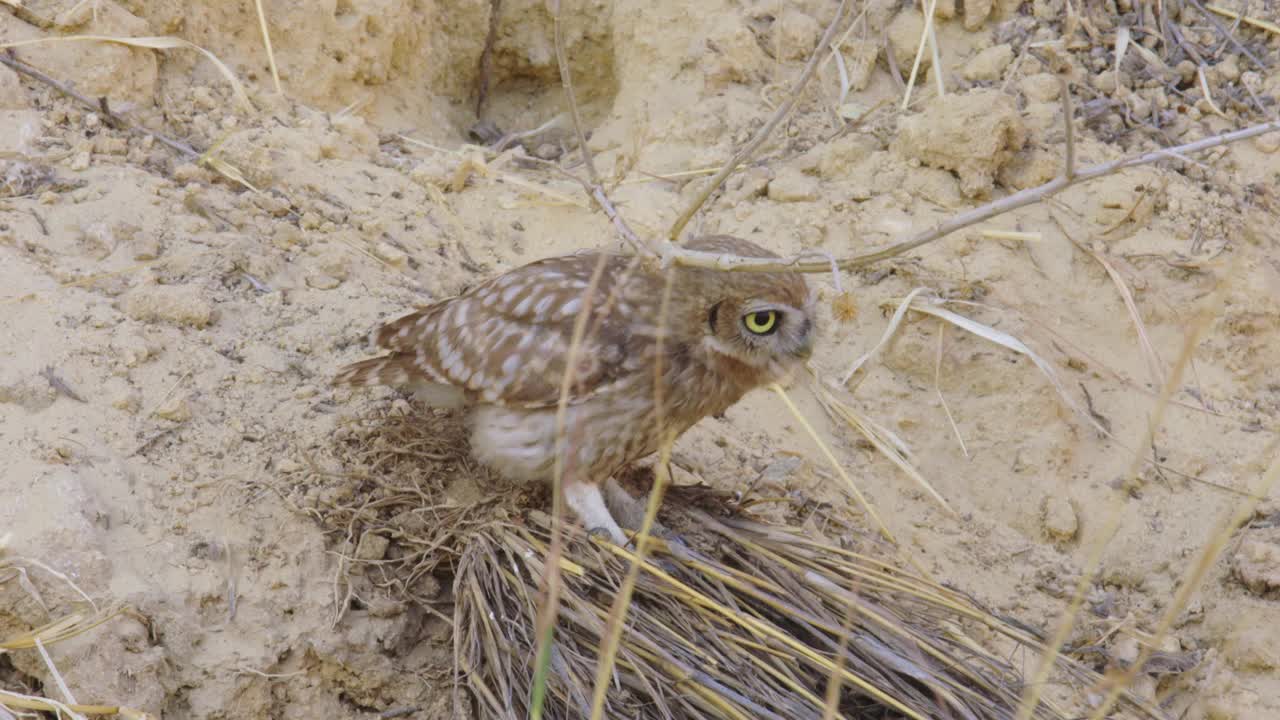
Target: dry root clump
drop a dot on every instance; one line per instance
(740, 618)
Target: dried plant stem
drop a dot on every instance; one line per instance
(1126, 296)
(266, 41)
(622, 601)
(1068, 123)
(865, 504)
(619, 224)
(1255, 22)
(101, 105)
(611, 641)
(925, 34)
(1222, 30)
(552, 581)
(937, 387)
(764, 132)
(690, 258)
(566, 80)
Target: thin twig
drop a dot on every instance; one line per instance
(1255, 22)
(266, 41)
(1217, 24)
(763, 133)
(567, 81)
(596, 189)
(924, 38)
(691, 258)
(112, 118)
(1068, 122)
(937, 387)
(620, 225)
(562, 467)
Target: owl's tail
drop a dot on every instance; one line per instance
(399, 370)
(393, 369)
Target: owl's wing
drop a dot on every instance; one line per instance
(507, 340)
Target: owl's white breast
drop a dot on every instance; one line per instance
(601, 435)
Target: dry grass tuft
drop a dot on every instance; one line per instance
(73, 624)
(763, 607)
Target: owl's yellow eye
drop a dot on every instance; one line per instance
(761, 323)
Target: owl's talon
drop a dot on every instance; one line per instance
(676, 539)
(600, 533)
(667, 566)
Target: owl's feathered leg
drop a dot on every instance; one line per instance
(586, 501)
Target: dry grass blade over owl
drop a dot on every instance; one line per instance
(502, 349)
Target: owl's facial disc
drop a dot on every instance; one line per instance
(761, 333)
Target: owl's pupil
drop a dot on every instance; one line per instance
(761, 323)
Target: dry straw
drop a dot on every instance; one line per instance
(750, 614)
(38, 639)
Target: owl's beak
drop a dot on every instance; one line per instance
(805, 351)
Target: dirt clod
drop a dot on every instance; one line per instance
(973, 135)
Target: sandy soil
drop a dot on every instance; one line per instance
(168, 337)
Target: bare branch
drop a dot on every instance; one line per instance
(690, 258)
(763, 133)
(1068, 121)
(620, 225)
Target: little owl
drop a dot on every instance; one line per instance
(641, 372)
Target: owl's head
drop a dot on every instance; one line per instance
(763, 320)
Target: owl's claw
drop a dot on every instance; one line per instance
(675, 543)
(600, 533)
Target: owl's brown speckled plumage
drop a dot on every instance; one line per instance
(501, 349)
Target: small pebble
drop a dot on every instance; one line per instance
(203, 98)
(286, 236)
(146, 246)
(372, 547)
(988, 65)
(390, 254)
(322, 281)
(122, 396)
(188, 172)
(177, 409)
(1059, 519)
(1268, 143)
(177, 304)
(799, 34)
(791, 185)
(1256, 563)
